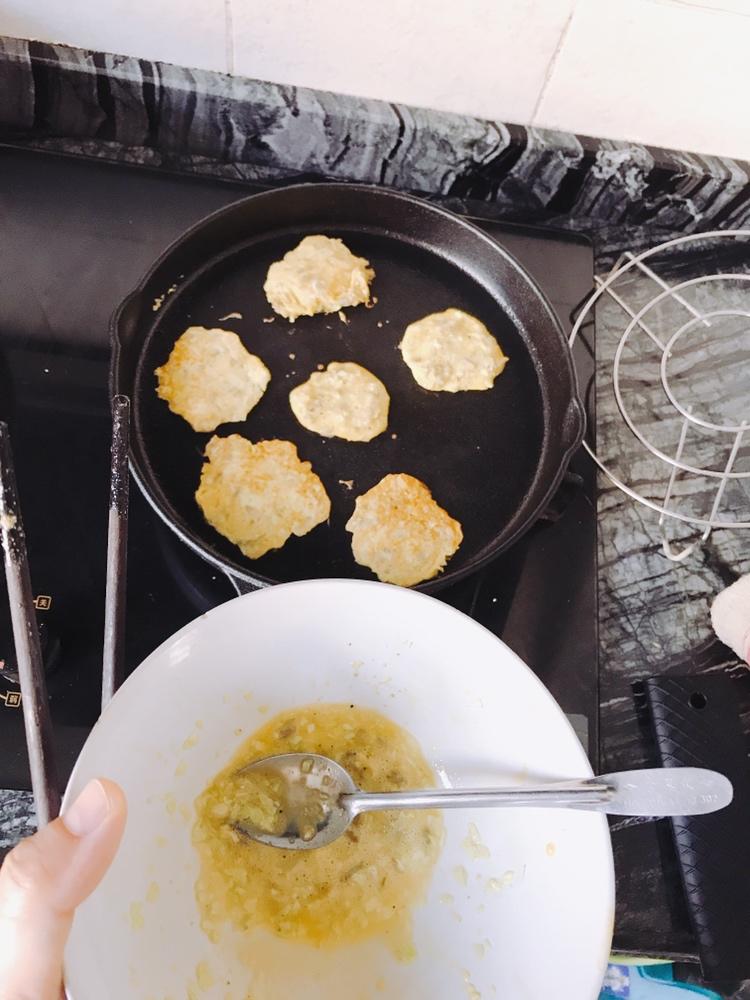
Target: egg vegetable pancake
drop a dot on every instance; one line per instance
(321, 275)
(258, 495)
(401, 533)
(452, 351)
(210, 379)
(345, 401)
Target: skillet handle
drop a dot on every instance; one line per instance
(574, 425)
(571, 434)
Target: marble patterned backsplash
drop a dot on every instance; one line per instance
(166, 116)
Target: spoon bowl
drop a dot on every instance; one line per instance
(314, 808)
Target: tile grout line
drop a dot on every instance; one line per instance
(708, 8)
(551, 65)
(229, 36)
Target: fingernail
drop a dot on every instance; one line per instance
(88, 811)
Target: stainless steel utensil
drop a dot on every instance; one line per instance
(117, 552)
(29, 659)
(318, 798)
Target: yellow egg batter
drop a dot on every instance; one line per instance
(361, 886)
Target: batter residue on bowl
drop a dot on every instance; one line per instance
(361, 886)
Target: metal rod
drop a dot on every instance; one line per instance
(117, 551)
(669, 551)
(617, 474)
(36, 714)
(667, 287)
(623, 305)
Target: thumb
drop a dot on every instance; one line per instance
(43, 880)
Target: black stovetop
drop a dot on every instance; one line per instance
(77, 235)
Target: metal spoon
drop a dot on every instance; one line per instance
(319, 799)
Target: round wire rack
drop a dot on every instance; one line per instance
(673, 381)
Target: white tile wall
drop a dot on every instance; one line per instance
(665, 72)
(481, 57)
(189, 32)
(720, 6)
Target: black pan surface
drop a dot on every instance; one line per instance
(491, 458)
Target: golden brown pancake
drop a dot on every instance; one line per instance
(345, 401)
(401, 533)
(258, 495)
(210, 379)
(452, 351)
(321, 275)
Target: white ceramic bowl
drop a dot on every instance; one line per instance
(534, 919)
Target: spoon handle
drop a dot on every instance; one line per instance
(659, 791)
(564, 793)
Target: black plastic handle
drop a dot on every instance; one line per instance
(696, 723)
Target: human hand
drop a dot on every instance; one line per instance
(43, 879)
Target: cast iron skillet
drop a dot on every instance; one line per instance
(492, 459)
